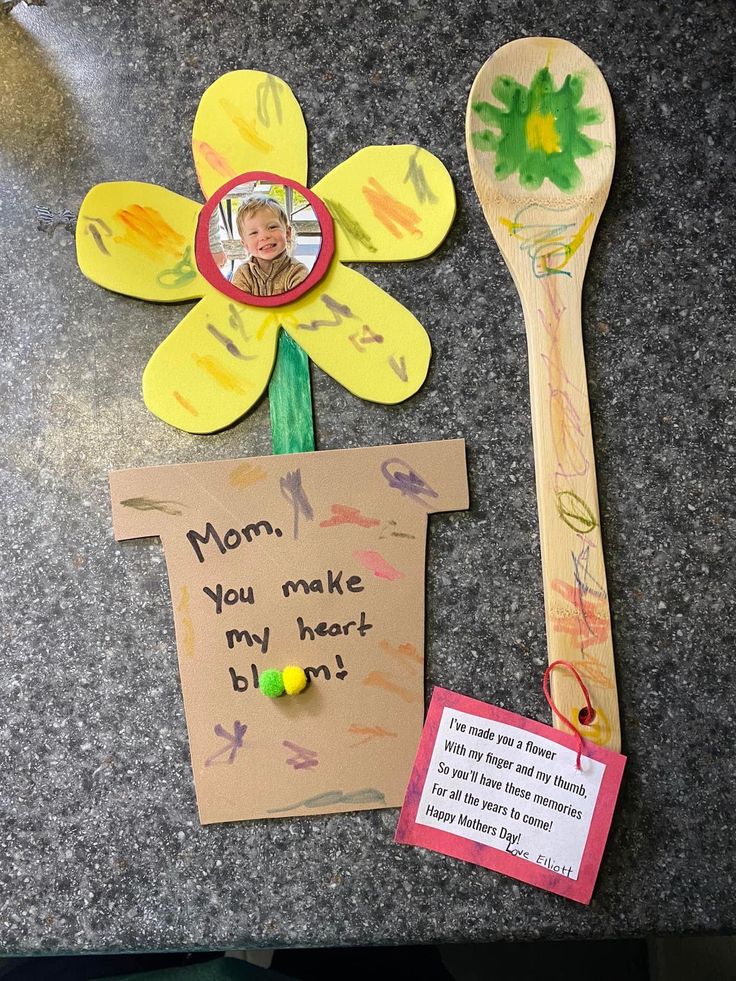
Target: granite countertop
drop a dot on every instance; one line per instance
(100, 846)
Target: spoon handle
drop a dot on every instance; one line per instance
(577, 614)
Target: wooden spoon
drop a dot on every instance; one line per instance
(541, 142)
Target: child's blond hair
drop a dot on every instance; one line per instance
(255, 203)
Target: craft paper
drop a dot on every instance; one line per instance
(311, 559)
(502, 791)
(386, 203)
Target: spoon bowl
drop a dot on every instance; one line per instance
(540, 135)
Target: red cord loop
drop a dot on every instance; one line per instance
(589, 710)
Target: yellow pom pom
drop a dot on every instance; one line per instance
(294, 679)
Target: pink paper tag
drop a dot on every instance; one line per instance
(502, 791)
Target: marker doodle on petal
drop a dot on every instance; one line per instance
(230, 346)
(418, 179)
(220, 375)
(247, 129)
(91, 229)
(97, 238)
(235, 321)
(180, 274)
(350, 225)
(365, 336)
(269, 90)
(390, 212)
(185, 403)
(215, 160)
(339, 311)
(148, 232)
(103, 224)
(399, 367)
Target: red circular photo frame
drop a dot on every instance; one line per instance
(211, 271)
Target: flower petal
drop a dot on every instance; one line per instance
(388, 203)
(248, 121)
(361, 336)
(213, 367)
(138, 239)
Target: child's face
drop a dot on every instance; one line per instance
(264, 235)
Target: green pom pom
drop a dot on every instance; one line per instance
(271, 683)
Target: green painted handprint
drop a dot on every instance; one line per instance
(540, 130)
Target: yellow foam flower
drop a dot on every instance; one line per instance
(387, 203)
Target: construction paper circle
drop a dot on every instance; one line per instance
(209, 268)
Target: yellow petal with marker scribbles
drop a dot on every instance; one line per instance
(138, 239)
(388, 203)
(361, 336)
(212, 368)
(248, 121)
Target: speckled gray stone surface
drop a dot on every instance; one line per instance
(100, 846)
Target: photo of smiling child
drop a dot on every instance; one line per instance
(268, 237)
(265, 238)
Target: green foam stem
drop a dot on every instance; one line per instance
(290, 399)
